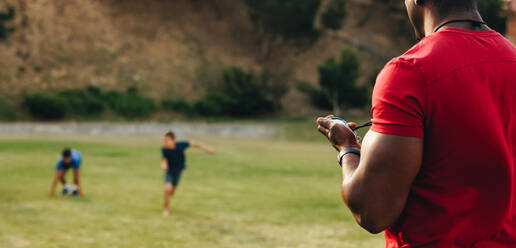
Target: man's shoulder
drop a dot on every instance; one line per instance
(447, 51)
(183, 143)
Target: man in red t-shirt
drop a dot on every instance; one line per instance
(437, 168)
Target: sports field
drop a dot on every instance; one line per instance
(253, 193)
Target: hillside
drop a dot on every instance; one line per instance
(173, 48)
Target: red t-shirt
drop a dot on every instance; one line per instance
(456, 90)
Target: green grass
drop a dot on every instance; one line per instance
(253, 193)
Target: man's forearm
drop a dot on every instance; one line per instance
(205, 148)
(354, 193)
(349, 165)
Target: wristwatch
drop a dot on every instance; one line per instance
(346, 151)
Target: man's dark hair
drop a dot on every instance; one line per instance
(170, 134)
(67, 153)
(446, 7)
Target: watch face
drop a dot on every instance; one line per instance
(339, 120)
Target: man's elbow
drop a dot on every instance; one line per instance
(372, 226)
(370, 215)
(370, 222)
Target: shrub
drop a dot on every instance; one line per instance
(131, 104)
(337, 79)
(46, 107)
(215, 104)
(6, 17)
(334, 14)
(318, 98)
(6, 112)
(85, 102)
(491, 11)
(275, 86)
(240, 94)
(178, 105)
(287, 18)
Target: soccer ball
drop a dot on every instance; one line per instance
(70, 189)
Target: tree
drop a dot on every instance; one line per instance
(491, 11)
(334, 14)
(4, 18)
(282, 18)
(338, 79)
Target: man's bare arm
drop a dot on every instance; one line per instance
(203, 147)
(376, 185)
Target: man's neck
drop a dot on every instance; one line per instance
(432, 21)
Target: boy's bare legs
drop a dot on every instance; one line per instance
(169, 191)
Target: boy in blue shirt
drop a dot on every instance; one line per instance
(173, 163)
(70, 159)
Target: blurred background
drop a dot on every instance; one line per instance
(109, 77)
(158, 60)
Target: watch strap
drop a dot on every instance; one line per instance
(345, 151)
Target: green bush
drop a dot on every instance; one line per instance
(334, 14)
(46, 107)
(337, 79)
(6, 112)
(240, 94)
(84, 102)
(286, 18)
(178, 105)
(318, 98)
(88, 102)
(215, 104)
(491, 11)
(275, 86)
(131, 104)
(4, 18)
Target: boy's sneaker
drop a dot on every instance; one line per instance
(64, 192)
(75, 190)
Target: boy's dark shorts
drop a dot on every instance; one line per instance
(173, 177)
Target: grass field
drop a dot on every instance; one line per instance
(253, 193)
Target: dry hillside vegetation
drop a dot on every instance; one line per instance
(173, 48)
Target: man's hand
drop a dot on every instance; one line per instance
(203, 147)
(338, 134)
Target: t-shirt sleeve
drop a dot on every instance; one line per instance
(163, 153)
(185, 144)
(399, 101)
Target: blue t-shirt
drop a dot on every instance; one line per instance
(175, 157)
(75, 163)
